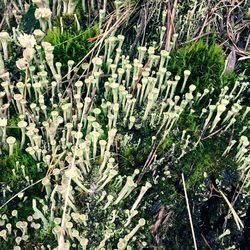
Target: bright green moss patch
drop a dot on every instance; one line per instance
(71, 44)
(14, 162)
(206, 61)
(207, 157)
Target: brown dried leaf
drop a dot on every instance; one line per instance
(231, 61)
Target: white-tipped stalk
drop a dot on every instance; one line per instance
(149, 106)
(22, 125)
(220, 109)
(211, 111)
(70, 65)
(110, 198)
(111, 137)
(129, 186)
(3, 126)
(140, 224)
(131, 214)
(4, 39)
(46, 183)
(131, 122)
(142, 192)
(164, 55)
(186, 75)
(11, 142)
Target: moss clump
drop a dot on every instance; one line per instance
(189, 122)
(71, 44)
(248, 13)
(8, 163)
(208, 158)
(206, 61)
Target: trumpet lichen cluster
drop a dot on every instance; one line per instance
(95, 132)
(77, 137)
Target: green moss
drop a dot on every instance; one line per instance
(248, 14)
(207, 158)
(166, 144)
(71, 44)
(189, 122)
(8, 163)
(133, 156)
(13, 121)
(206, 61)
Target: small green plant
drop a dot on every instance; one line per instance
(71, 44)
(11, 166)
(206, 61)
